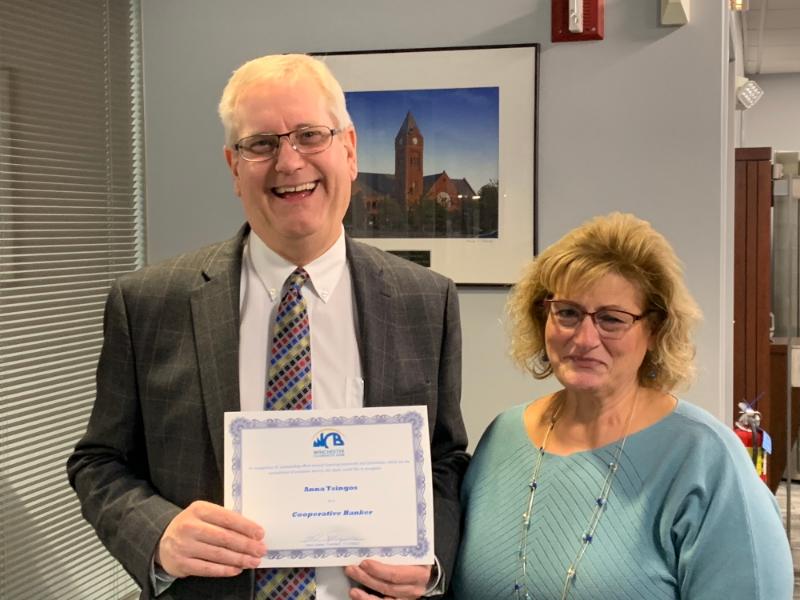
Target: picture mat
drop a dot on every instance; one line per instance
(471, 260)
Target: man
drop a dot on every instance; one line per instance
(190, 338)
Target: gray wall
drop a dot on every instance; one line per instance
(775, 120)
(637, 122)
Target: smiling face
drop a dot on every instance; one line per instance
(294, 202)
(581, 359)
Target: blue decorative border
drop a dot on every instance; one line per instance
(417, 551)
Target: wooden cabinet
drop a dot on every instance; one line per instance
(759, 366)
(751, 280)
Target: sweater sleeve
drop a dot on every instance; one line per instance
(724, 528)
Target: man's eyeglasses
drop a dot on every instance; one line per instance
(305, 140)
(611, 323)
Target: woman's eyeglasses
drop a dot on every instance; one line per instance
(611, 323)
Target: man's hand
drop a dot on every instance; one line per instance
(208, 540)
(393, 581)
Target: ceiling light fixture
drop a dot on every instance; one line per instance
(748, 92)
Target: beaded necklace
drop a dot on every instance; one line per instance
(520, 589)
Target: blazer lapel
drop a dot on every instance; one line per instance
(372, 301)
(215, 319)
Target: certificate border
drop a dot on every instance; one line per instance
(419, 550)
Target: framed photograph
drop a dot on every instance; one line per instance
(446, 156)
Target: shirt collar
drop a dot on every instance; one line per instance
(272, 269)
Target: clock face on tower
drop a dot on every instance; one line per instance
(414, 141)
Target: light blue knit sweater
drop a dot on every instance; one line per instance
(687, 518)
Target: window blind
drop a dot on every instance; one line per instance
(71, 221)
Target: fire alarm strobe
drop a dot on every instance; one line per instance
(577, 20)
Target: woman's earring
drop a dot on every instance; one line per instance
(651, 371)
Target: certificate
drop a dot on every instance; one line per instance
(333, 487)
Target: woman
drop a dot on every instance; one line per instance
(611, 487)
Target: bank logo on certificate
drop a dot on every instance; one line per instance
(328, 443)
(333, 487)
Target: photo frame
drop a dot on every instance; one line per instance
(458, 196)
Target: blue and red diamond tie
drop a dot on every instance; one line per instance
(289, 388)
(289, 370)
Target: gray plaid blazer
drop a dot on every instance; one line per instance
(168, 371)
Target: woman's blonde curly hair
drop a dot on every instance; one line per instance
(630, 247)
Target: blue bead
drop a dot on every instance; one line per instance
(587, 538)
(601, 501)
(533, 485)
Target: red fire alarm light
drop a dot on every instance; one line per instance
(577, 20)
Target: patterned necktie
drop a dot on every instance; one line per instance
(289, 387)
(289, 370)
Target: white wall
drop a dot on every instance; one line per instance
(636, 122)
(775, 120)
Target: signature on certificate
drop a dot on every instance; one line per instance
(331, 540)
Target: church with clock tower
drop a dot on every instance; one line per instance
(384, 203)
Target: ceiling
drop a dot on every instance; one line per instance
(771, 36)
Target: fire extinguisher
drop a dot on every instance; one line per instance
(756, 440)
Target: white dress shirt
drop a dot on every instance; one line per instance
(336, 376)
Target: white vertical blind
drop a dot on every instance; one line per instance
(71, 187)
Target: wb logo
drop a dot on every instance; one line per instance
(327, 439)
